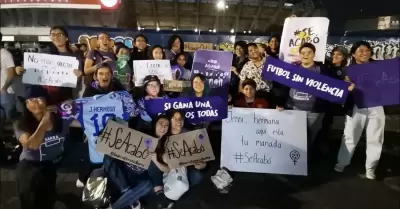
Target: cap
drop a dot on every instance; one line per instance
(35, 91)
(149, 79)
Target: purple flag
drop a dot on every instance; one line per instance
(196, 109)
(304, 80)
(216, 66)
(376, 83)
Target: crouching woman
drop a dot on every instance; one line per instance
(42, 134)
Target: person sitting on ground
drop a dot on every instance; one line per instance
(248, 97)
(152, 90)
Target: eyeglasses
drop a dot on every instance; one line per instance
(56, 35)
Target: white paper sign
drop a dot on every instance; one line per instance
(50, 70)
(298, 30)
(265, 141)
(160, 68)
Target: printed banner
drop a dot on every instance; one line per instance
(216, 66)
(188, 149)
(194, 46)
(304, 80)
(197, 109)
(298, 30)
(50, 70)
(176, 86)
(376, 83)
(94, 112)
(122, 143)
(265, 141)
(143, 68)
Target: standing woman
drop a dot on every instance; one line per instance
(273, 47)
(42, 134)
(237, 65)
(252, 70)
(140, 49)
(175, 46)
(357, 118)
(156, 53)
(95, 57)
(60, 46)
(334, 68)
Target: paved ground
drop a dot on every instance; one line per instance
(322, 189)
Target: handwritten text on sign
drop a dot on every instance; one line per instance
(188, 149)
(265, 141)
(50, 70)
(160, 68)
(194, 46)
(305, 80)
(120, 142)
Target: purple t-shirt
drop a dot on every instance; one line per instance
(50, 149)
(99, 56)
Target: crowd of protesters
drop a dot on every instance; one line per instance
(33, 109)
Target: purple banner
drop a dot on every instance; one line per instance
(304, 80)
(196, 109)
(376, 83)
(216, 66)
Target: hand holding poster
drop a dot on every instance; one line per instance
(376, 83)
(122, 143)
(265, 141)
(50, 70)
(216, 66)
(188, 149)
(304, 80)
(298, 30)
(197, 109)
(160, 68)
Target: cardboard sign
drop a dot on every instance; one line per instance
(176, 86)
(122, 143)
(194, 46)
(188, 149)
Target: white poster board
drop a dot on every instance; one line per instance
(50, 70)
(160, 68)
(265, 141)
(298, 30)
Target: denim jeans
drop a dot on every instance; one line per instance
(131, 186)
(194, 175)
(11, 103)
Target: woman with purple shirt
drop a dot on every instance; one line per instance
(95, 57)
(176, 46)
(42, 134)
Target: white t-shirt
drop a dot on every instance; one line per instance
(7, 62)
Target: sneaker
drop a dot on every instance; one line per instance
(370, 174)
(338, 168)
(79, 184)
(163, 202)
(136, 205)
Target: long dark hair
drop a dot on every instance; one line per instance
(28, 123)
(203, 78)
(171, 42)
(160, 150)
(345, 57)
(269, 50)
(53, 48)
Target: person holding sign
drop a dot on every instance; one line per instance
(60, 46)
(307, 102)
(104, 85)
(42, 134)
(357, 118)
(152, 90)
(123, 72)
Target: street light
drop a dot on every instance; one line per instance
(221, 5)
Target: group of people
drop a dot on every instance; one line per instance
(40, 121)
